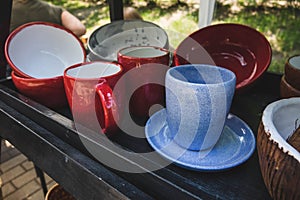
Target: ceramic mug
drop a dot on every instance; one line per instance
(89, 90)
(198, 99)
(145, 68)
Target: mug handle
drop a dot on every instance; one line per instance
(109, 106)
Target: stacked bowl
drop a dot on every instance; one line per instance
(38, 53)
(290, 81)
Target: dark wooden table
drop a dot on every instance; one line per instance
(49, 138)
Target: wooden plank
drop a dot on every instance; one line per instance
(78, 174)
(5, 10)
(245, 180)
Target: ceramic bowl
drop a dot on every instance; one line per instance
(287, 90)
(49, 91)
(240, 48)
(292, 71)
(107, 40)
(42, 50)
(279, 161)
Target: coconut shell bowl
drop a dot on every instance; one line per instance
(277, 145)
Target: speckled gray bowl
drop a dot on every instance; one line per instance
(105, 42)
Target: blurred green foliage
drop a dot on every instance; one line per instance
(279, 21)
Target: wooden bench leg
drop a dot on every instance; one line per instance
(1, 195)
(41, 176)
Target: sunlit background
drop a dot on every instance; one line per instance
(278, 20)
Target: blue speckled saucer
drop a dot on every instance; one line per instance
(235, 146)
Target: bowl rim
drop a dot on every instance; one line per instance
(85, 64)
(258, 73)
(35, 23)
(288, 64)
(270, 129)
(15, 75)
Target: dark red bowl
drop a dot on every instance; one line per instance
(240, 48)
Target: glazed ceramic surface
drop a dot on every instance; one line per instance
(145, 68)
(279, 161)
(287, 90)
(105, 42)
(41, 89)
(89, 89)
(198, 99)
(239, 48)
(42, 50)
(292, 71)
(234, 147)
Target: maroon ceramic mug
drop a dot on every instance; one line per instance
(90, 93)
(145, 68)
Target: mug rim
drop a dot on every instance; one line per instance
(232, 78)
(166, 52)
(84, 64)
(290, 64)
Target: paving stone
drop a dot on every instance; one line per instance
(8, 152)
(11, 174)
(24, 192)
(7, 189)
(27, 165)
(13, 162)
(14, 152)
(38, 195)
(49, 182)
(19, 179)
(24, 178)
(48, 179)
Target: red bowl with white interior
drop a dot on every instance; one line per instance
(42, 50)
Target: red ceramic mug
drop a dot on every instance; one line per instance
(144, 70)
(89, 90)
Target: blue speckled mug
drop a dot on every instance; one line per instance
(198, 100)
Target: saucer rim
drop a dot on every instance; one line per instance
(236, 162)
